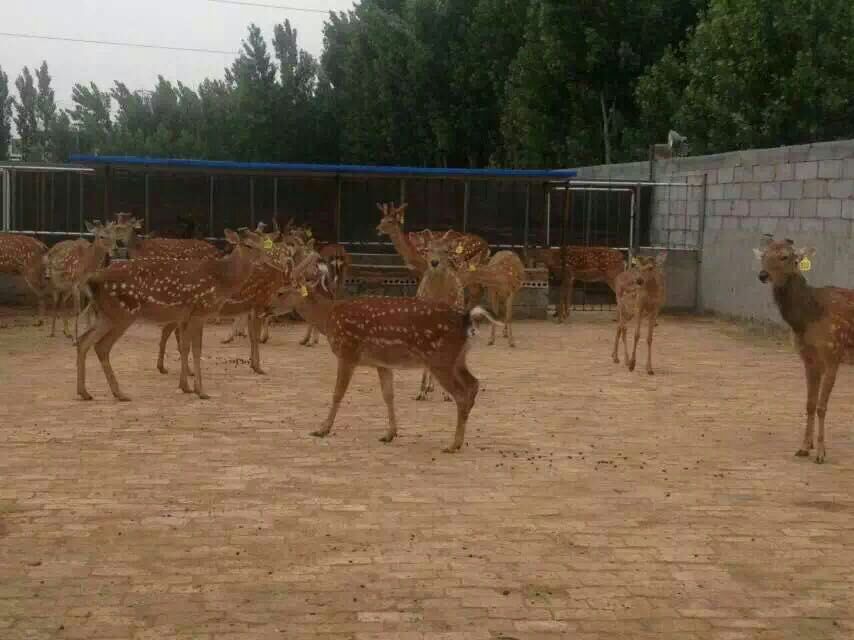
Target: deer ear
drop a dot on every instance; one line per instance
(805, 252)
(137, 224)
(232, 237)
(90, 227)
(758, 253)
(381, 207)
(660, 259)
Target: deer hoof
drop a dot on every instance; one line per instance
(259, 371)
(388, 437)
(446, 397)
(322, 433)
(631, 365)
(650, 372)
(85, 395)
(802, 453)
(203, 396)
(37, 322)
(452, 449)
(420, 397)
(185, 388)
(122, 397)
(162, 369)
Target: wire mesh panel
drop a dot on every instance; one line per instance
(359, 214)
(310, 201)
(128, 195)
(434, 204)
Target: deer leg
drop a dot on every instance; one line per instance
(463, 387)
(615, 355)
(87, 341)
(508, 319)
(424, 388)
(649, 330)
(103, 348)
(236, 330)
(813, 372)
(569, 292)
(161, 351)
(255, 329)
(75, 294)
(66, 321)
(493, 303)
(387, 385)
(184, 338)
(306, 341)
(196, 329)
(345, 374)
(316, 335)
(631, 363)
(827, 382)
(55, 310)
(265, 330)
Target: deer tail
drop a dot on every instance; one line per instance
(479, 313)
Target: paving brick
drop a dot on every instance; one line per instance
(763, 172)
(806, 170)
(785, 171)
(848, 209)
(841, 189)
(726, 175)
(792, 190)
(829, 208)
(830, 168)
(771, 191)
(751, 191)
(815, 189)
(805, 208)
(769, 208)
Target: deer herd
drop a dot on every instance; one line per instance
(181, 284)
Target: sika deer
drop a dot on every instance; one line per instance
(24, 255)
(168, 248)
(587, 264)
(338, 261)
(439, 283)
(70, 263)
(388, 334)
(640, 294)
(822, 322)
(182, 291)
(503, 278)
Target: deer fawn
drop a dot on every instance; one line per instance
(338, 262)
(24, 255)
(182, 291)
(69, 265)
(822, 322)
(388, 334)
(640, 294)
(503, 278)
(586, 264)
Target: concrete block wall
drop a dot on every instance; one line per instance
(803, 192)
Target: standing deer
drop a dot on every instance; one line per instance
(822, 322)
(251, 300)
(338, 261)
(388, 334)
(503, 278)
(186, 292)
(640, 294)
(24, 255)
(586, 264)
(466, 248)
(69, 265)
(168, 248)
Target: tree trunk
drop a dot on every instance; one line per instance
(606, 127)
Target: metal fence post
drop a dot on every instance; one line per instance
(338, 186)
(466, 201)
(252, 202)
(527, 225)
(211, 207)
(147, 206)
(701, 232)
(563, 239)
(80, 207)
(276, 199)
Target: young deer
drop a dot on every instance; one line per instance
(338, 261)
(388, 334)
(24, 255)
(439, 283)
(640, 294)
(186, 292)
(69, 265)
(586, 264)
(503, 278)
(252, 299)
(822, 322)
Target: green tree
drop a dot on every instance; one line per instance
(45, 112)
(5, 115)
(63, 139)
(756, 73)
(26, 120)
(91, 117)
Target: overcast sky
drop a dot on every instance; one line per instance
(183, 23)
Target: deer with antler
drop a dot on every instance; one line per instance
(822, 323)
(338, 261)
(69, 265)
(502, 277)
(640, 294)
(168, 248)
(388, 334)
(186, 292)
(466, 248)
(24, 255)
(581, 263)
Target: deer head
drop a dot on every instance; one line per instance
(392, 218)
(438, 256)
(780, 259)
(647, 266)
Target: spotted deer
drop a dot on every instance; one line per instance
(338, 261)
(822, 323)
(167, 248)
(413, 247)
(251, 300)
(24, 255)
(585, 264)
(640, 294)
(388, 334)
(69, 265)
(187, 292)
(503, 277)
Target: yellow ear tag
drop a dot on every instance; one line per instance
(304, 291)
(805, 264)
(459, 248)
(634, 262)
(268, 244)
(472, 267)
(308, 233)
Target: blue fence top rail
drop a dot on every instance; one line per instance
(321, 169)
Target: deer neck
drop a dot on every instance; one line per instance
(95, 255)
(797, 303)
(233, 270)
(403, 245)
(315, 309)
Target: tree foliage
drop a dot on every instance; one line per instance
(517, 83)
(5, 115)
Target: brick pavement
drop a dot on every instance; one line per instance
(589, 503)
